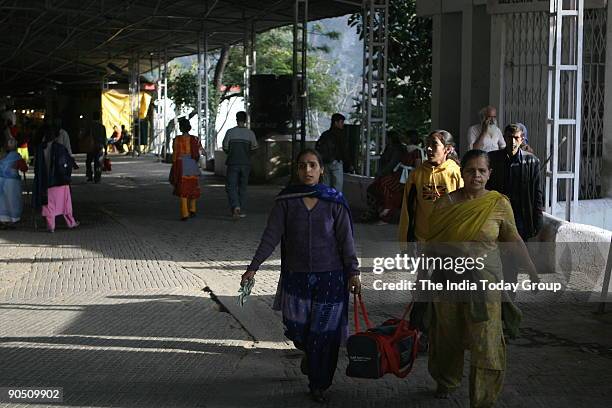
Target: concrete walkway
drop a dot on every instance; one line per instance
(137, 309)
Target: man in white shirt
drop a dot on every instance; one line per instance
(486, 135)
(238, 143)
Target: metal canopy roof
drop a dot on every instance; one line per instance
(73, 41)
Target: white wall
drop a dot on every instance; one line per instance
(597, 213)
(226, 117)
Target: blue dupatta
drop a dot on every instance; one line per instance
(320, 191)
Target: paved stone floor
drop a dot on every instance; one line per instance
(137, 309)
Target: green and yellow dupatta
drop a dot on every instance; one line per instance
(462, 221)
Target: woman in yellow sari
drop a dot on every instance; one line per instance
(473, 220)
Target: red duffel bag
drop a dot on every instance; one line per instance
(106, 164)
(391, 347)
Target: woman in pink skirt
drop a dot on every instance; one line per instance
(52, 176)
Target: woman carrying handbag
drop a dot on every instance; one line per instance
(318, 268)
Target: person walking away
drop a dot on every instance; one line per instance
(64, 139)
(474, 220)
(333, 147)
(96, 146)
(486, 135)
(52, 176)
(238, 143)
(185, 173)
(318, 269)
(11, 203)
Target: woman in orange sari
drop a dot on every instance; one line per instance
(185, 173)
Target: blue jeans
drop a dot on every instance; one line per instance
(333, 174)
(236, 185)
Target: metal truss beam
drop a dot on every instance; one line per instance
(375, 20)
(564, 107)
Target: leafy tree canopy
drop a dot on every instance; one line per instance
(409, 59)
(274, 53)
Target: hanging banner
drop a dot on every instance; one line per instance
(526, 6)
(116, 109)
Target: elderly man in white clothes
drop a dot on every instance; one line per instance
(486, 135)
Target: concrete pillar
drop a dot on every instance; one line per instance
(481, 68)
(450, 73)
(496, 79)
(466, 73)
(436, 57)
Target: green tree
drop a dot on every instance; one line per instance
(409, 63)
(274, 50)
(274, 56)
(183, 86)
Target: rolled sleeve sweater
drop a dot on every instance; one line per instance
(316, 240)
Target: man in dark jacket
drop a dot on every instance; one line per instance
(333, 147)
(516, 173)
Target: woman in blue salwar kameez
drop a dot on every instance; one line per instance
(11, 202)
(318, 268)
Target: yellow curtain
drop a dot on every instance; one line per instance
(116, 109)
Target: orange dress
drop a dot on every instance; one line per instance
(184, 186)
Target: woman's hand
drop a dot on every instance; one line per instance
(246, 276)
(354, 284)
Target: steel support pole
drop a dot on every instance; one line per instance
(375, 23)
(202, 104)
(132, 98)
(165, 116)
(564, 122)
(159, 127)
(138, 107)
(300, 77)
(249, 67)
